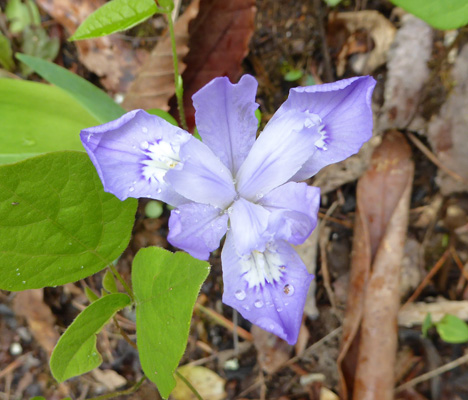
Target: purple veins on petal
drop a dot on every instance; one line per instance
(133, 153)
(268, 288)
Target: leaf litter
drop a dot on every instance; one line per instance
(413, 63)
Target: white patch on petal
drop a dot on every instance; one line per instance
(260, 268)
(315, 120)
(162, 156)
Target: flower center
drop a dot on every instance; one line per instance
(161, 156)
(260, 268)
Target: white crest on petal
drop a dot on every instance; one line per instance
(315, 120)
(161, 157)
(260, 268)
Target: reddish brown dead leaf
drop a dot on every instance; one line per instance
(447, 132)
(154, 84)
(30, 305)
(114, 60)
(369, 339)
(219, 41)
(272, 352)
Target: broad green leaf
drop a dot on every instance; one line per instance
(452, 329)
(98, 103)
(164, 115)
(166, 286)
(108, 282)
(293, 75)
(6, 58)
(22, 15)
(441, 14)
(427, 324)
(57, 225)
(91, 296)
(75, 352)
(38, 118)
(115, 16)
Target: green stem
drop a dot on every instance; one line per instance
(177, 78)
(122, 281)
(131, 390)
(190, 386)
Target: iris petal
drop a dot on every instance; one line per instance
(197, 229)
(133, 153)
(269, 289)
(294, 207)
(225, 116)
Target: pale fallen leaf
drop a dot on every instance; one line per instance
(208, 384)
(448, 131)
(407, 74)
(414, 313)
(109, 378)
(30, 305)
(154, 83)
(380, 30)
(327, 394)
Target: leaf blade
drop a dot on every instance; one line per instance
(166, 286)
(94, 100)
(75, 352)
(115, 16)
(57, 225)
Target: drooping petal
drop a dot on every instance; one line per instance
(269, 289)
(203, 177)
(133, 153)
(197, 229)
(279, 152)
(225, 117)
(344, 115)
(249, 224)
(294, 207)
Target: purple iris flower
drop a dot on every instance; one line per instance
(232, 183)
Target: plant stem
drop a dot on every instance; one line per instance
(122, 281)
(177, 78)
(190, 386)
(124, 334)
(131, 390)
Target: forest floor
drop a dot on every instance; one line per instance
(421, 101)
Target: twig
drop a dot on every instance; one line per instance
(323, 241)
(131, 390)
(431, 156)
(13, 365)
(326, 217)
(431, 374)
(124, 334)
(459, 263)
(326, 54)
(438, 265)
(189, 385)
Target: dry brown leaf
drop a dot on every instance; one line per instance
(154, 84)
(219, 41)
(447, 132)
(114, 60)
(110, 379)
(380, 30)
(272, 352)
(369, 330)
(30, 305)
(407, 73)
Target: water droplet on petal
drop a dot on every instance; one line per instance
(288, 290)
(158, 191)
(258, 304)
(89, 137)
(176, 211)
(144, 129)
(240, 295)
(246, 308)
(144, 145)
(279, 309)
(131, 189)
(229, 210)
(259, 195)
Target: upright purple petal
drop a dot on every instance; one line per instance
(269, 289)
(225, 117)
(249, 224)
(294, 207)
(279, 152)
(344, 116)
(133, 153)
(203, 177)
(197, 229)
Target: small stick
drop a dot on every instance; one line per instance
(431, 374)
(189, 385)
(438, 265)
